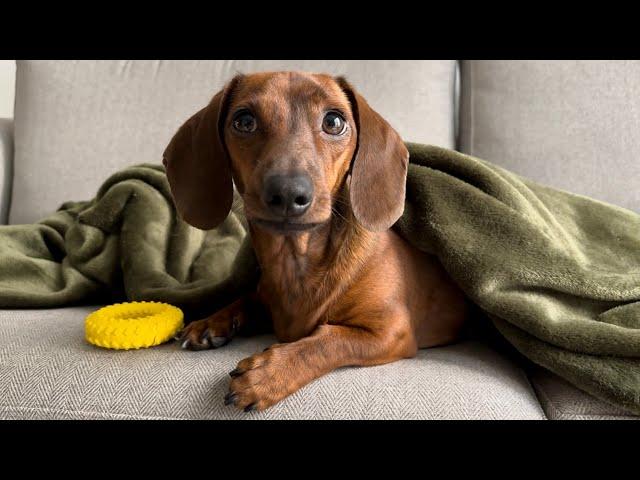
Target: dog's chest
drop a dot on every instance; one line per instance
(295, 290)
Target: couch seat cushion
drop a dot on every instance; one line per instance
(48, 371)
(563, 401)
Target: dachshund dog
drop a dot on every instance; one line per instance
(322, 177)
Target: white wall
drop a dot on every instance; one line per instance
(7, 83)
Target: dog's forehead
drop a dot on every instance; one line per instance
(292, 87)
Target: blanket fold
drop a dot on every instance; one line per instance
(557, 273)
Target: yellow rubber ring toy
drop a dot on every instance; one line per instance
(125, 326)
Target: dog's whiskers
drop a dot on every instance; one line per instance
(346, 220)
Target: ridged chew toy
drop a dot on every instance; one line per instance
(125, 326)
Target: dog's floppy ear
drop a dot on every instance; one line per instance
(379, 167)
(198, 166)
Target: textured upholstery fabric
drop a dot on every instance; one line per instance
(573, 125)
(47, 371)
(76, 122)
(6, 167)
(562, 401)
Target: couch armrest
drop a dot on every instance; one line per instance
(6, 167)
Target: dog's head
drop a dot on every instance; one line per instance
(288, 141)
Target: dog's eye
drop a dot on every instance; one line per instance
(334, 124)
(244, 121)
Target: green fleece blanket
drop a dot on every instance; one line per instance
(558, 274)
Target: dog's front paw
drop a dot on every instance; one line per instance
(261, 380)
(212, 332)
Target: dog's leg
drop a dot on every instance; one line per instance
(266, 378)
(218, 329)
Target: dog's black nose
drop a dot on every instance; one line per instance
(288, 195)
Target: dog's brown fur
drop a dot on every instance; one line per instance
(346, 291)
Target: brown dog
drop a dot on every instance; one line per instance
(322, 177)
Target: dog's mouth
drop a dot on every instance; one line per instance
(285, 226)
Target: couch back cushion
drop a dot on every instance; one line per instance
(573, 125)
(76, 122)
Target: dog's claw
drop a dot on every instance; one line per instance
(250, 407)
(230, 398)
(235, 325)
(217, 342)
(236, 372)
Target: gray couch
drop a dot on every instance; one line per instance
(573, 125)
